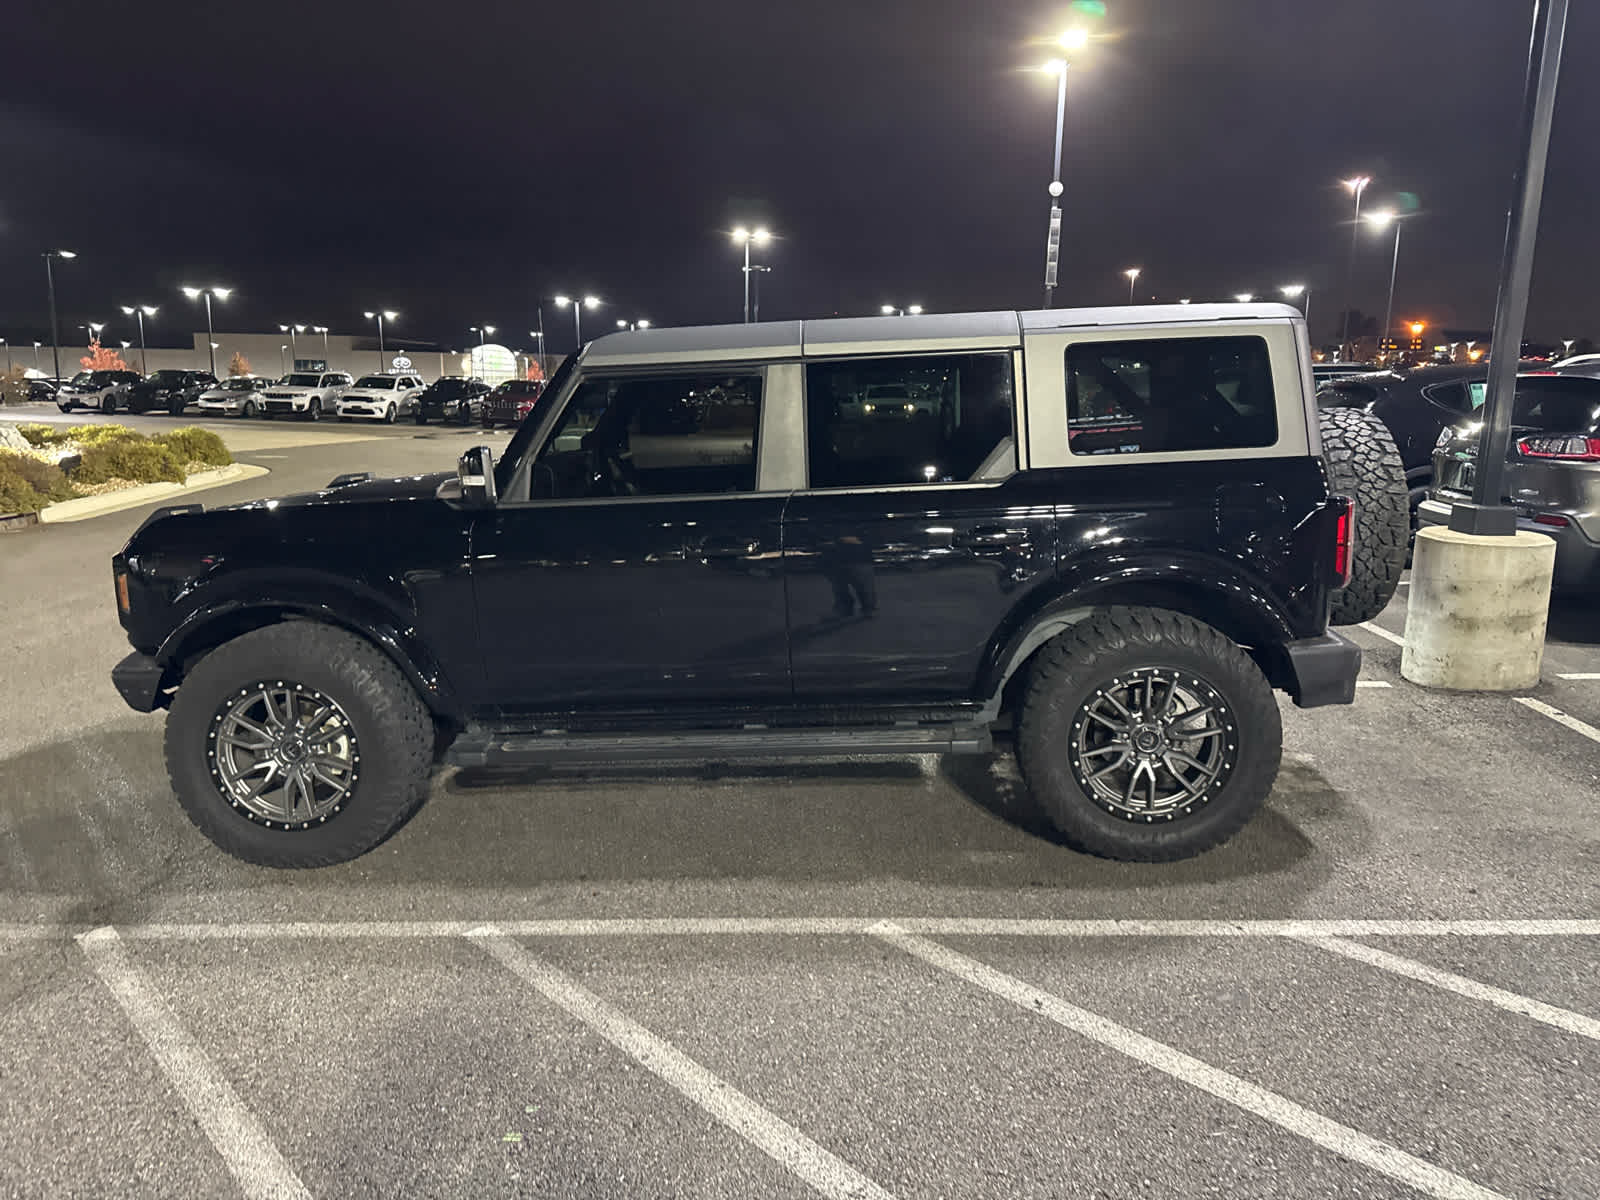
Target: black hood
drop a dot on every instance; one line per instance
(364, 491)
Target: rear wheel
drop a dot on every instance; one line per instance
(298, 745)
(314, 409)
(1364, 464)
(1147, 736)
(464, 412)
(66, 408)
(249, 409)
(108, 403)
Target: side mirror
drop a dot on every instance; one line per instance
(475, 472)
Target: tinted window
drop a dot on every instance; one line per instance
(872, 422)
(383, 382)
(300, 380)
(1448, 395)
(654, 436)
(1551, 404)
(1169, 394)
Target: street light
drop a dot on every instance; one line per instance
(281, 369)
(380, 317)
(323, 330)
(1072, 39)
(1355, 186)
(1245, 297)
(483, 332)
(221, 293)
(1133, 274)
(631, 325)
(742, 236)
(1381, 220)
(1292, 291)
(141, 311)
(913, 310)
(7, 345)
(294, 349)
(55, 331)
(590, 302)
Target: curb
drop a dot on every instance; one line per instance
(97, 506)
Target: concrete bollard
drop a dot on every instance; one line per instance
(1475, 618)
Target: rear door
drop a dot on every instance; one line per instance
(911, 543)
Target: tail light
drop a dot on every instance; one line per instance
(1344, 532)
(1554, 520)
(1573, 449)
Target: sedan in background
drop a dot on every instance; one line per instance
(236, 396)
(510, 402)
(452, 398)
(104, 391)
(1552, 474)
(379, 398)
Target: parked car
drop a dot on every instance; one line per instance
(235, 396)
(1118, 604)
(1579, 364)
(379, 398)
(452, 398)
(510, 402)
(42, 389)
(1552, 473)
(170, 390)
(1323, 372)
(306, 394)
(104, 391)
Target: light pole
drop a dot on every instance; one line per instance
(1381, 220)
(483, 332)
(913, 310)
(539, 334)
(1072, 39)
(380, 317)
(36, 346)
(7, 345)
(323, 330)
(141, 311)
(294, 348)
(220, 293)
(1292, 291)
(630, 325)
(1356, 186)
(589, 302)
(55, 330)
(755, 308)
(1133, 274)
(281, 370)
(744, 237)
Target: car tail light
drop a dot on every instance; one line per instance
(1574, 449)
(1552, 519)
(1344, 531)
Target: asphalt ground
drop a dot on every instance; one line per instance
(854, 979)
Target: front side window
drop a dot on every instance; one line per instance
(876, 422)
(677, 435)
(1163, 395)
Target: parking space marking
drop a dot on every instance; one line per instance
(1396, 638)
(1526, 1006)
(249, 1153)
(1561, 718)
(1580, 675)
(825, 1173)
(1322, 1131)
(1373, 683)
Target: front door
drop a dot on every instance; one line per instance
(644, 567)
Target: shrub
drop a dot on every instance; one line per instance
(93, 435)
(192, 444)
(132, 458)
(27, 484)
(42, 435)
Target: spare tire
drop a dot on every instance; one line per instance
(1364, 464)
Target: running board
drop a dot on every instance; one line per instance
(476, 748)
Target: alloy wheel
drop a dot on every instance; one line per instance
(283, 755)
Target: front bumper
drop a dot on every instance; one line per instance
(138, 681)
(297, 404)
(233, 407)
(1323, 670)
(1577, 558)
(369, 410)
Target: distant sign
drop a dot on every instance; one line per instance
(400, 362)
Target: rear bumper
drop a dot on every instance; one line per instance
(1323, 670)
(1577, 558)
(138, 682)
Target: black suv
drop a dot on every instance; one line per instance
(170, 390)
(1100, 537)
(451, 398)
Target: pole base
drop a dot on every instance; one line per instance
(1485, 520)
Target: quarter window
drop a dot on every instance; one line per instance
(653, 436)
(873, 422)
(1169, 394)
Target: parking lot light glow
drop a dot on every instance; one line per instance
(192, 292)
(887, 310)
(915, 310)
(1245, 297)
(1074, 39)
(743, 237)
(591, 301)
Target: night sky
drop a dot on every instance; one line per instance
(460, 161)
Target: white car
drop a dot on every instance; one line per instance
(236, 396)
(380, 398)
(306, 394)
(106, 391)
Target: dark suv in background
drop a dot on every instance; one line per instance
(451, 398)
(170, 390)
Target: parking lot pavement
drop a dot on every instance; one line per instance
(848, 979)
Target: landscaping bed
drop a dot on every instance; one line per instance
(44, 464)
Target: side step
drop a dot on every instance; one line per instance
(479, 748)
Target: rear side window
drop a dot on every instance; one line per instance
(873, 422)
(1170, 395)
(1551, 404)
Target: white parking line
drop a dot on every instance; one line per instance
(1549, 1014)
(826, 1174)
(1373, 683)
(244, 1145)
(1580, 675)
(1561, 718)
(1269, 1106)
(1382, 632)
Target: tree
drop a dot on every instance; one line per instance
(535, 371)
(102, 358)
(238, 364)
(14, 386)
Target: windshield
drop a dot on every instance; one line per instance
(82, 377)
(506, 468)
(380, 382)
(165, 377)
(299, 380)
(447, 387)
(1550, 403)
(241, 385)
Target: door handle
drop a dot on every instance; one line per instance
(728, 547)
(988, 537)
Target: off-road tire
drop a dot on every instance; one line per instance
(1067, 674)
(393, 731)
(1364, 464)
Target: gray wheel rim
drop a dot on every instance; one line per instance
(283, 755)
(1153, 744)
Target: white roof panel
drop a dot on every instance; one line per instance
(1046, 320)
(929, 331)
(693, 343)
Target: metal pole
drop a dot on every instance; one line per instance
(55, 333)
(1350, 269)
(380, 343)
(577, 321)
(1306, 313)
(211, 338)
(544, 367)
(1394, 267)
(294, 348)
(747, 281)
(1053, 238)
(1486, 514)
(324, 347)
(144, 366)
(1132, 279)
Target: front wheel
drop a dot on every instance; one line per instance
(108, 404)
(249, 409)
(1147, 736)
(66, 408)
(389, 415)
(314, 410)
(298, 745)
